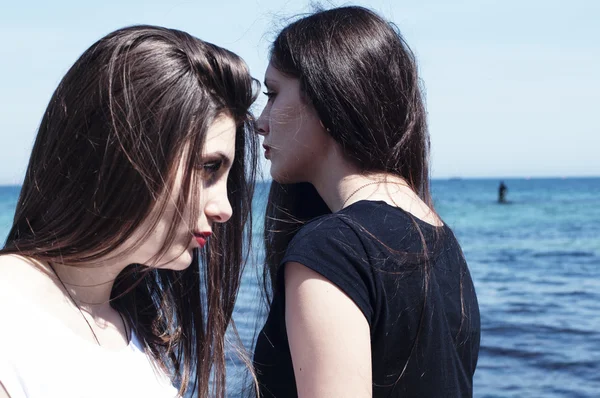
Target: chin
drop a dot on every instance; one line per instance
(284, 177)
(183, 261)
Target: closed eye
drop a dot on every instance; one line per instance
(212, 167)
(269, 94)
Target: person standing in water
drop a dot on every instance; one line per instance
(371, 294)
(502, 192)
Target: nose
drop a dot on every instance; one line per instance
(262, 124)
(218, 209)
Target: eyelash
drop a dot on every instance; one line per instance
(212, 167)
(269, 94)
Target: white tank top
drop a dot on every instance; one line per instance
(55, 362)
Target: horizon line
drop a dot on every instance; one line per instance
(458, 178)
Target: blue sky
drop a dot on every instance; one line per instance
(512, 86)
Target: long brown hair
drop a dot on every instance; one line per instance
(135, 106)
(361, 77)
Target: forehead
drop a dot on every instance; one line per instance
(271, 71)
(220, 137)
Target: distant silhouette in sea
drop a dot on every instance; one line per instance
(502, 193)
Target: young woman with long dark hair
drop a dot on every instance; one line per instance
(120, 273)
(371, 294)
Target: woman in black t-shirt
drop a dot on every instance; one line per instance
(371, 295)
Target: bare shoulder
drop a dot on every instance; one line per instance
(13, 266)
(27, 297)
(21, 277)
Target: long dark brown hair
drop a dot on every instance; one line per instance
(361, 77)
(132, 109)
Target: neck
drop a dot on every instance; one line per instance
(90, 284)
(341, 184)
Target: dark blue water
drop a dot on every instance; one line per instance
(536, 267)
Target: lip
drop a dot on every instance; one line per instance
(202, 237)
(267, 151)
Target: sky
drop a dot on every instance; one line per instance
(512, 86)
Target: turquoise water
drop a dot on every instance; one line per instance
(536, 267)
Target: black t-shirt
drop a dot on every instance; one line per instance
(375, 253)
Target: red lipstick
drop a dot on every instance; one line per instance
(201, 238)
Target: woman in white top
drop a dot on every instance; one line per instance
(109, 283)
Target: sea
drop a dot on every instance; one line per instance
(535, 262)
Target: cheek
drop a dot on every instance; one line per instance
(297, 159)
(157, 238)
(285, 120)
(160, 233)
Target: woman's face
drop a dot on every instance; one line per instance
(295, 141)
(217, 158)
